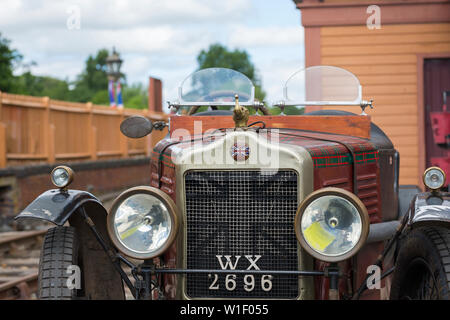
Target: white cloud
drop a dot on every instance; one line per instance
(118, 14)
(266, 36)
(68, 68)
(139, 26)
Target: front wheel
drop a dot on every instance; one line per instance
(422, 270)
(59, 253)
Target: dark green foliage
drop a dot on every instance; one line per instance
(41, 86)
(9, 58)
(135, 96)
(288, 110)
(93, 78)
(219, 56)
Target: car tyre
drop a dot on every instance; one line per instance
(59, 251)
(422, 270)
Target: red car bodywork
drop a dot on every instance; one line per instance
(334, 157)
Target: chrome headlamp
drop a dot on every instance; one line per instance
(434, 178)
(142, 222)
(61, 176)
(332, 224)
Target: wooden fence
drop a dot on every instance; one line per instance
(39, 129)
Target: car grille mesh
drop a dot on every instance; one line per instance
(241, 213)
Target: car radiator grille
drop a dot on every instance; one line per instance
(241, 213)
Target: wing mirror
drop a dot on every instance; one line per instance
(138, 126)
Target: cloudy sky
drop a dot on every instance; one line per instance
(159, 38)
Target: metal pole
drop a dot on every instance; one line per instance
(332, 272)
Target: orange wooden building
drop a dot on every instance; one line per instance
(404, 65)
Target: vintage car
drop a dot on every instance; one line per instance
(254, 206)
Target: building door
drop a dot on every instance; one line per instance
(436, 81)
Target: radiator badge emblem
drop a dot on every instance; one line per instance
(240, 151)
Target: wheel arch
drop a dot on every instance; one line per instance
(430, 210)
(101, 279)
(431, 244)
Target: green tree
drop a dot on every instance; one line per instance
(135, 96)
(218, 55)
(9, 58)
(101, 97)
(93, 78)
(296, 110)
(29, 84)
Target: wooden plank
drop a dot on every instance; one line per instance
(358, 126)
(381, 101)
(93, 143)
(28, 278)
(62, 103)
(386, 70)
(408, 173)
(390, 89)
(26, 262)
(23, 103)
(68, 109)
(409, 180)
(15, 236)
(131, 112)
(383, 49)
(3, 147)
(47, 130)
(158, 116)
(396, 131)
(92, 133)
(394, 109)
(392, 100)
(26, 156)
(136, 151)
(409, 165)
(123, 139)
(16, 271)
(30, 125)
(103, 111)
(1, 107)
(391, 79)
(409, 162)
(386, 29)
(79, 155)
(384, 39)
(109, 153)
(412, 151)
(51, 143)
(405, 140)
(405, 119)
(370, 58)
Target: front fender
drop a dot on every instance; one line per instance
(426, 212)
(101, 279)
(57, 206)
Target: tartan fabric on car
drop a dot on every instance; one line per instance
(331, 151)
(324, 153)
